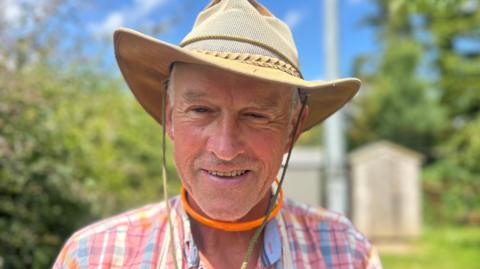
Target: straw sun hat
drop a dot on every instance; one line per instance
(239, 36)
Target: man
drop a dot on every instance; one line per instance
(232, 100)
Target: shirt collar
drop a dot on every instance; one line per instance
(272, 243)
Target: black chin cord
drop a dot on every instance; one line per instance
(253, 241)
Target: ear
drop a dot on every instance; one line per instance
(168, 119)
(302, 119)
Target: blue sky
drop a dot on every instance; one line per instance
(100, 18)
(305, 18)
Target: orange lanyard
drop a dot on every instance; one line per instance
(230, 226)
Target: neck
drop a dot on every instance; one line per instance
(217, 244)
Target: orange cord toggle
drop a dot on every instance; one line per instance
(230, 226)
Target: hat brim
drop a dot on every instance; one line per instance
(145, 64)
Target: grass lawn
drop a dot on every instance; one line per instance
(440, 248)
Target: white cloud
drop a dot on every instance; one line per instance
(294, 17)
(108, 25)
(144, 7)
(22, 13)
(129, 15)
(11, 11)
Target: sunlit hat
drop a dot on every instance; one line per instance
(239, 36)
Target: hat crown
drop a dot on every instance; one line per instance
(242, 26)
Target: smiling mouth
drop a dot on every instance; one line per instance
(226, 174)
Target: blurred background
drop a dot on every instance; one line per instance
(76, 147)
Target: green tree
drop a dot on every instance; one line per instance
(399, 102)
(74, 144)
(41, 200)
(423, 92)
(73, 148)
(453, 182)
(455, 179)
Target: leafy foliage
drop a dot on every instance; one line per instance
(453, 182)
(423, 92)
(74, 145)
(73, 148)
(398, 104)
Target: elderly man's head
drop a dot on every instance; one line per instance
(230, 133)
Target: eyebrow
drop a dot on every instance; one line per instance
(269, 103)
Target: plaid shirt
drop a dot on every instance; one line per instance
(300, 236)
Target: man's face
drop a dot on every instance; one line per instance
(230, 133)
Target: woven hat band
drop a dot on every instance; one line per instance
(243, 51)
(255, 59)
(236, 45)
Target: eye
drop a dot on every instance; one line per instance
(256, 115)
(201, 109)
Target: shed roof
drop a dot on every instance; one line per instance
(372, 150)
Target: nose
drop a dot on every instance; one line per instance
(225, 141)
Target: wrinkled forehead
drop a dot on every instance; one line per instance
(194, 81)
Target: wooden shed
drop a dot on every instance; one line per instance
(386, 191)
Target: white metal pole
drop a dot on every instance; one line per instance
(334, 135)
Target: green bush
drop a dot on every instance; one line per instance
(74, 147)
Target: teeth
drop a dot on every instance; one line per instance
(228, 174)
